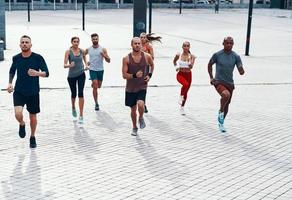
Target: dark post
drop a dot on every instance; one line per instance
(150, 16)
(28, 10)
(180, 6)
(2, 24)
(83, 15)
(217, 6)
(248, 27)
(140, 12)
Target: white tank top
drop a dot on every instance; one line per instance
(182, 63)
(95, 58)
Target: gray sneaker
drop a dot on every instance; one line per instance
(142, 123)
(134, 132)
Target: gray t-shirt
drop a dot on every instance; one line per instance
(225, 63)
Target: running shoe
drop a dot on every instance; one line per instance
(221, 117)
(181, 100)
(21, 131)
(182, 110)
(96, 107)
(222, 128)
(145, 109)
(142, 123)
(81, 121)
(74, 113)
(134, 132)
(32, 142)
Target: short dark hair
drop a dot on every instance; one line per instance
(25, 36)
(94, 35)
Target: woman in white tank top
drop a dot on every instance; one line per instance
(183, 63)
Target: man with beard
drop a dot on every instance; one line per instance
(137, 73)
(225, 60)
(96, 70)
(29, 66)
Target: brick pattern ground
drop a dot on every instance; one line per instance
(174, 157)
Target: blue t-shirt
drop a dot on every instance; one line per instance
(225, 63)
(25, 84)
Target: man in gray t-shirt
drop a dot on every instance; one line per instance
(225, 60)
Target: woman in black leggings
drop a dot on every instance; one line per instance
(74, 58)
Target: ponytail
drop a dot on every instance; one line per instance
(151, 38)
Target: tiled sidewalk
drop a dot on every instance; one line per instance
(174, 157)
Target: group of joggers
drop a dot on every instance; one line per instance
(137, 69)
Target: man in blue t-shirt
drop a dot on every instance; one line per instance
(29, 66)
(225, 60)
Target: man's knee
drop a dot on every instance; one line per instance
(18, 111)
(226, 94)
(33, 118)
(94, 84)
(140, 103)
(99, 83)
(133, 109)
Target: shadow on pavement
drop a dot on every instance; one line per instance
(29, 182)
(85, 145)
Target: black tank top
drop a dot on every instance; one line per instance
(137, 84)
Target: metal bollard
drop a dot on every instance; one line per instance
(1, 50)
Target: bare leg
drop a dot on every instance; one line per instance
(73, 103)
(225, 100)
(81, 105)
(140, 108)
(18, 114)
(134, 116)
(94, 90)
(33, 123)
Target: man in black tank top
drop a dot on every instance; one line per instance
(137, 73)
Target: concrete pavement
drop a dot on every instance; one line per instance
(174, 157)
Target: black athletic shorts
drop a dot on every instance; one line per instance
(32, 102)
(133, 97)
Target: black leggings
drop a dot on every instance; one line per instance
(80, 80)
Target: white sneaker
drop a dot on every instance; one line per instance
(182, 111)
(181, 100)
(81, 121)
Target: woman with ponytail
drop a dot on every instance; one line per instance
(146, 40)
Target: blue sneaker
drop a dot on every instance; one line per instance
(74, 113)
(142, 123)
(221, 128)
(221, 117)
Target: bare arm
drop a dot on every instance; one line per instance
(192, 61)
(151, 52)
(151, 65)
(126, 75)
(84, 59)
(210, 71)
(241, 70)
(106, 56)
(176, 57)
(66, 59)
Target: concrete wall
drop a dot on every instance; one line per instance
(2, 22)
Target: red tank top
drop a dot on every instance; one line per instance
(137, 84)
